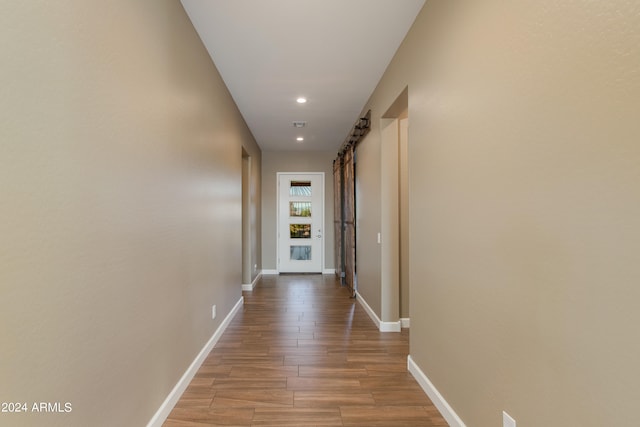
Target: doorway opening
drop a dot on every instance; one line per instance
(247, 268)
(395, 212)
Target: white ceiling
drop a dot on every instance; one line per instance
(270, 52)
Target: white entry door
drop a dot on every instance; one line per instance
(300, 222)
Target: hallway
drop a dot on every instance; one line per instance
(302, 353)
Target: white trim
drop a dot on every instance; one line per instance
(382, 326)
(329, 271)
(443, 406)
(269, 272)
(390, 326)
(406, 322)
(250, 286)
(165, 409)
(507, 420)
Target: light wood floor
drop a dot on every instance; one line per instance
(302, 353)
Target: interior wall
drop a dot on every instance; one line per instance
(524, 207)
(121, 206)
(389, 221)
(368, 218)
(294, 161)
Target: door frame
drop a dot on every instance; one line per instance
(324, 202)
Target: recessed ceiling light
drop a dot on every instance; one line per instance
(299, 139)
(301, 100)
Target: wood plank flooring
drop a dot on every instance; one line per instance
(302, 353)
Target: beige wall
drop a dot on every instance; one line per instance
(120, 198)
(389, 221)
(524, 207)
(368, 219)
(294, 161)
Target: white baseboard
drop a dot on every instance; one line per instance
(272, 272)
(250, 286)
(382, 326)
(390, 326)
(445, 409)
(405, 322)
(167, 406)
